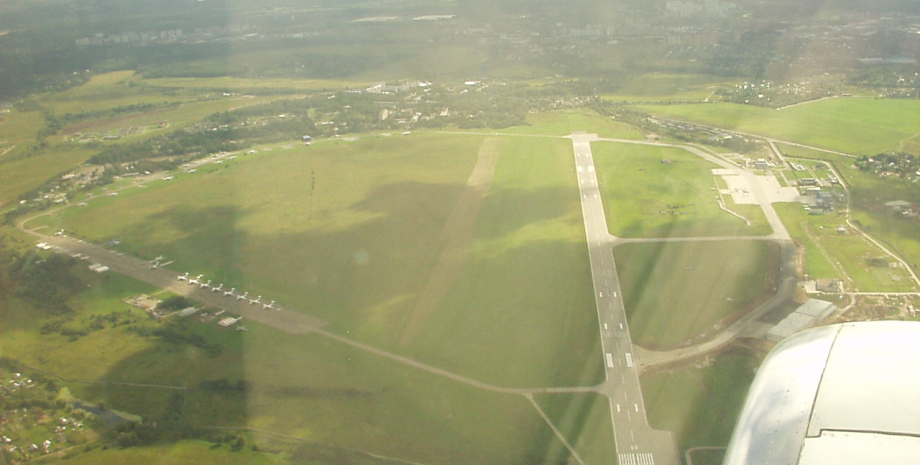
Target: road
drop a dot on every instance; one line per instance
(636, 442)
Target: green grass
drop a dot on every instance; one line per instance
(357, 249)
(851, 125)
(899, 234)
(17, 127)
(355, 254)
(20, 176)
(98, 351)
(802, 227)
(644, 197)
(584, 420)
(526, 279)
(827, 253)
(184, 452)
(237, 84)
(359, 400)
(176, 117)
(676, 293)
(345, 398)
(260, 225)
(700, 405)
(869, 192)
(668, 87)
(104, 97)
(565, 122)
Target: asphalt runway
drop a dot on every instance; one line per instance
(636, 442)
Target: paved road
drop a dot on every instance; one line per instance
(636, 442)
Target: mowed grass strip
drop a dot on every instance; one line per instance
(851, 125)
(676, 293)
(521, 312)
(664, 192)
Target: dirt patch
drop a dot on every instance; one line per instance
(455, 239)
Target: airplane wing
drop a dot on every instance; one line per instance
(841, 394)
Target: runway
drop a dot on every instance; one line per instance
(636, 442)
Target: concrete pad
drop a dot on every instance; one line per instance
(774, 192)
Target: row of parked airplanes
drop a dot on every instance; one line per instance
(220, 288)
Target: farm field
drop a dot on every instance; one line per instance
(645, 197)
(676, 293)
(861, 126)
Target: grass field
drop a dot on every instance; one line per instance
(236, 84)
(17, 126)
(25, 174)
(104, 96)
(184, 452)
(676, 293)
(177, 117)
(522, 311)
(700, 404)
(584, 420)
(644, 197)
(803, 227)
(400, 411)
(869, 192)
(851, 125)
(565, 122)
(668, 87)
(355, 250)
